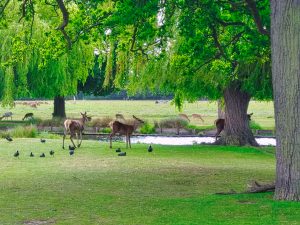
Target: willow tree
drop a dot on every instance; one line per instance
(196, 49)
(37, 61)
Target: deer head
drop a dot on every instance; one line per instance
(85, 118)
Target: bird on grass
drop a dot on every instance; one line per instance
(9, 138)
(17, 154)
(118, 150)
(122, 154)
(150, 149)
(42, 155)
(43, 140)
(71, 147)
(31, 154)
(51, 152)
(71, 152)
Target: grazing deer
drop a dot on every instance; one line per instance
(75, 127)
(6, 115)
(220, 123)
(184, 116)
(197, 116)
(28, 115)
(124, 129)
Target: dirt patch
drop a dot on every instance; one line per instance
(38, 222)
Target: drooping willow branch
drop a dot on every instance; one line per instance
(4, 6)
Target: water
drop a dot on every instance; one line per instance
(163, 140)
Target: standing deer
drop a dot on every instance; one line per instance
(124, 129)
(220, 123)
(75, 127)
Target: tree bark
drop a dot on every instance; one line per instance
(285, 39)
(236, 130)
(59, 107)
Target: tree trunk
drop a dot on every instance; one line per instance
(59, 107)
(236, 130)
(285, 30)
(221, 113)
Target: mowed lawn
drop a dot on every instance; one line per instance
(263, 112)
(172, 185)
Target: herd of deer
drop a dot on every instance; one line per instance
(76, 127)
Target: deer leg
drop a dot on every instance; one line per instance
(110, 139)
(129, 141)
(72, 135)
(80, 133)
(64, 140)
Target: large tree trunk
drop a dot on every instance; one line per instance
(285, 32)
(59, 107)
(237, 130)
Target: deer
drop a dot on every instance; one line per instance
(28, 115)
(184, 116)
(124, 129)
(197, 116)
(6, 115)
(75, 127)
(220, 124)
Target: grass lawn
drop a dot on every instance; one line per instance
(172, 185)
(148, 110)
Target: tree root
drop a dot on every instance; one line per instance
(254, 187)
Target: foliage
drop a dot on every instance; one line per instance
(255, 126)
(106, 130)
(173, 122)
(147, 128)
(21, 132)
(101, 122)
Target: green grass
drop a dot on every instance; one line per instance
(172, 185)
(147, 110)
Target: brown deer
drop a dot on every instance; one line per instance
(197, 116)
(184, 116)
(124, 129)
(28, 115)
(220, 123)
(75, 127)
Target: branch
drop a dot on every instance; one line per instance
(230, 23)
(3, 8)
(65, 22)
(216, 40)
(254, 11)
(23, 10)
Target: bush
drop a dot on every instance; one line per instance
(106, 130)
(54, 122)
(22, 132)
(147, 128)
(254, 125)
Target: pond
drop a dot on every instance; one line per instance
(164, 140)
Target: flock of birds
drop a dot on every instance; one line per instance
(43, 155)
(71, 150)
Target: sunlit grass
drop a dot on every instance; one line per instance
(172, 185)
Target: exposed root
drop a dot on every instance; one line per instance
(254, 187)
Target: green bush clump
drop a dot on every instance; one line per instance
(147, 128)
(106, 130)
(21, 132)
(254, 125)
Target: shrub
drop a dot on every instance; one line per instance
(147, 128)
(22, 132)
(106, 130)
(173, 122)
(54, 122)
(254, 125)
